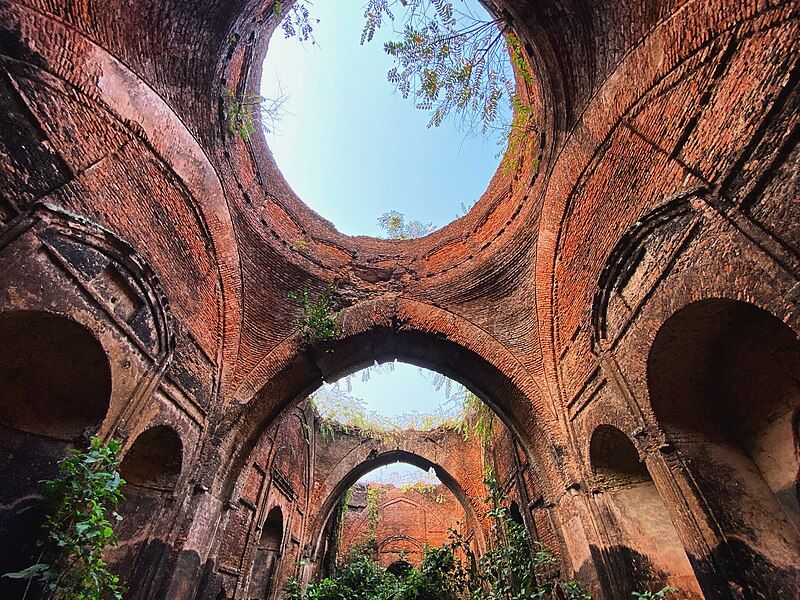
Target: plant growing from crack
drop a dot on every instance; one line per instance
(78, 529)
(244, 110)
(318, 319)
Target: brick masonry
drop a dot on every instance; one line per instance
(625, 298)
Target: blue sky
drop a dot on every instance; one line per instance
(396, 389)
(349, 147)
(400, 474)
(393, 390)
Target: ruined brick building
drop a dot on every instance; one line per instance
(625, 298)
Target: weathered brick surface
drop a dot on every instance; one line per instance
(405, 521)
(666, 174)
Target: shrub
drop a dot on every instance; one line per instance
(318, 321)
(77, 527)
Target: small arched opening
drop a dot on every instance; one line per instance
(154, 460)
(55, 390)
(647, 544)
(268, 553)
(722, 377)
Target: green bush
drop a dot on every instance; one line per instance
(318, 319)
(78, 530)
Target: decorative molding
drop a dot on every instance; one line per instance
(669, 227)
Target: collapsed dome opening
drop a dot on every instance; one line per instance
(352, 147)
(397, 397)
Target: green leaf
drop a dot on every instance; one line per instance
(28, 573)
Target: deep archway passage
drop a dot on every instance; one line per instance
(722, 378)
(648, 545)
(345, 482)
(411, 332)
(55, 388)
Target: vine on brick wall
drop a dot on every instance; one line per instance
(77, 529)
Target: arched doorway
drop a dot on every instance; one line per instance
(55, 387)
(320, 526)
(267, 561)
(151, 468)
(646, 542)
(722, 377)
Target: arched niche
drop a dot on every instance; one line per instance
(399, 568)
(272, 530)
(55, 379)
(154, 460)
(722, 378)
(151, 468)
(55, 389)
(646, 540)
(268, 555)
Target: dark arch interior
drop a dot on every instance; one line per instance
(399, 568)
(614, 459)
(726, 371)
(154, 460)
(55, 388)
(55, 380)
(272, 531)
(515, 514)
(723, 381)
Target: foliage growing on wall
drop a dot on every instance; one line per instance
(244, 110)
(477, 420)
(318, 319)
(431, 491)
(78, 529)
(374, 493)
(339, 412)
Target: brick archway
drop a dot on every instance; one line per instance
(343, 480)
(396, 328)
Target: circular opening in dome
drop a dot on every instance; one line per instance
(349, 143)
